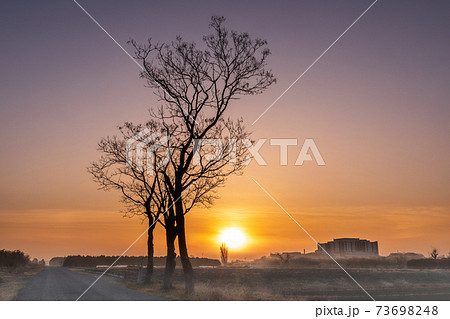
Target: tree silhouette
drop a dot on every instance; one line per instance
(141, 193)
(196, 87)
(13, 259)
(434, 253)
(224, 254)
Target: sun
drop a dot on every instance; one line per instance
(233, 237)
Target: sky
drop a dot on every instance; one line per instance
(376, 105)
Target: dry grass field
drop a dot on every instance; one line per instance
(301, 284)
(12, 280)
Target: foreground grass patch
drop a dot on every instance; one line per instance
(12, 280)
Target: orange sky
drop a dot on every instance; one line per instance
(57, 232)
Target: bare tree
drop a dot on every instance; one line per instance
(142, 194)
(224, 254)
(434, 253)
(196, 87)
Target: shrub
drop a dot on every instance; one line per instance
(13, 259)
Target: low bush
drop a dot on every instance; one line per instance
(13, 259)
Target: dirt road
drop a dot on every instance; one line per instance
(63, 284)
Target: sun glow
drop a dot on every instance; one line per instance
(233, 237)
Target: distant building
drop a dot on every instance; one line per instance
(349, 247)
(56, 262)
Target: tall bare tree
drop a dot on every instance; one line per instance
(196, 85)
(224, 254)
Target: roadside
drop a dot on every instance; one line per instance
(12, 280)
(154, 289)
(57, 283)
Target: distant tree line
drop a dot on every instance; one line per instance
(13, 259)
(56, 261)
(379, 262)
(93, 261)
(443, 263)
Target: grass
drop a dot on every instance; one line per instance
(205, 292)
(300, 284)
(12, 280)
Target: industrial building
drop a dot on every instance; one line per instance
(349, 247)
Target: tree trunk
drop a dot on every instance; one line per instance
(150, 250)
(171, 234)
(185, 262)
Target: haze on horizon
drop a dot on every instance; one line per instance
(376, 105)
